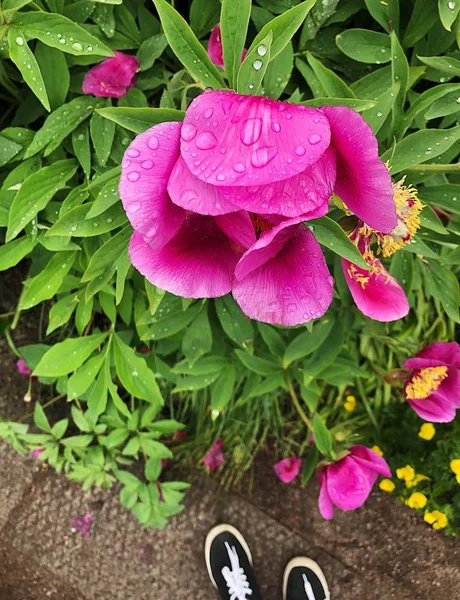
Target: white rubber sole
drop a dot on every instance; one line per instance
(303, 561)
(215, 531)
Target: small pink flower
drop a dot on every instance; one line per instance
(433, 386)
(215, 48)
(112, 77)
(83, 524)
(348, 482)
(36, 453)
(22, 367)
(215, 455)
(288, 468)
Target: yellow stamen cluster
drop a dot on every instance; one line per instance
(408, 208)
(376, 268)
(425, 382)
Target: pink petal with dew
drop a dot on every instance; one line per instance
(325, 504)
(283, 278)
(438, 354)
(348, 484)
(145, 171)
(215, 456)
(288, 468)
(363, 180)
(198, 262)
(436, 408)
(381, 298)
(290, 197)
(22, 368)
(112, 77)
(368, 459)
(238, 227)
(191, 193)
(230, 139)
(215, 47)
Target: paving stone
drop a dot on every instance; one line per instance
(15, 479)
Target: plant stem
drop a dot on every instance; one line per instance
(297, 405)
(49, 403)
(435, 168)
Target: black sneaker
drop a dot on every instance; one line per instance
(229, 563)
(304, 580)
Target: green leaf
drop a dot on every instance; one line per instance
(102, 134)
(365, 46)
(61, 312)
(194, 382)
(234, 21)
(445, 196)
(332, 84)
(140, 119)
(426, 100)
(60, 32)
(97, 400)
(355, 103)
(186, 46)
(384, 12)
(197, 340)
(307, 342)
(254, 66)
(234, 322)
(22, 56)
(76, 223)
(323, 437)
(420, 147)
(168, 323)
(83, 314)
(84, 376)
(14, 252)
(423, 17)
(309, 465)
(35, 193)
(448, 12)
(446, 64)
(67, 356)
(60, 428)
(283, 27)
(106, 198)
(376, 116)
(327, 352)
(402, 268)
(40, 418)
(268, 385)
(222, 389)
(446, 289)
(81, 147)
(447, 105)
(45, 285)
(8, 150)
(55, 73)
(272, 339)
(261, 366)
(151, 49)
(430, 220)
(134, 374)
(330, 234)
(153, 469)
(107, 254)
(399, 74)
(279, 72)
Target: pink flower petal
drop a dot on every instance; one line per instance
(363, 181)
(195, 195)
(290, 197)
(370, 460)
(145, 171)
(325, 504)
(198, 262)
(238, 227)
(348, 484)
(22, 367)
(215, 47)
(381, 298)
(112, 77)
(438, 354)
(288, 468)
(215, 456)
(230, 139)
(436, 408)
(283, 278)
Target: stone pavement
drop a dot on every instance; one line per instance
(381, 552)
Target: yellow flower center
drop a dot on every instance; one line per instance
(425, 382)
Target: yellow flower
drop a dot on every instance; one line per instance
(377, 450)
(407, 473)
(417, 479)
(417, 500)
(350, 403)
(387, 485)
(455, 466)
(436, 518)
(427, 431)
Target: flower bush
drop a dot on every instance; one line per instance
(240, 224)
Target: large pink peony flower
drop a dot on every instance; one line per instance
(111, 78)
(348, 482)
(433, 387)
(376, 293)
(215, 51)
(218, 202)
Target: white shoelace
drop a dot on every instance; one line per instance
(235, 578)
(309, 590)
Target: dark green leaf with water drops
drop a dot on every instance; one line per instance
(67, 356)
(77, 224)
(448, 12)
(234, 21)
(140, 119)
(446, 64)
(55, 73)
(333, 85)
(235, 324)
(151, 49)
(279, 72)
(102, 134)
(365, 46)
(254, 66)
(15, 251)
(377, 115)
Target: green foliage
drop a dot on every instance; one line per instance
(131, 364)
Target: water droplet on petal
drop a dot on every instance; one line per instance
(133, 207)
(133, 176)
(220, 177)
(188, 196)
(132, 152)
(300, 150)
(153, 142)
(188, 132)
(206, 141)
(147, 164)
(226, 106)
(276, 127)
(250, 131)
(208, 113)
(315, 138)
(262, 156)
(239, 167)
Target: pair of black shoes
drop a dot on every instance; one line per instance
(230, 568)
